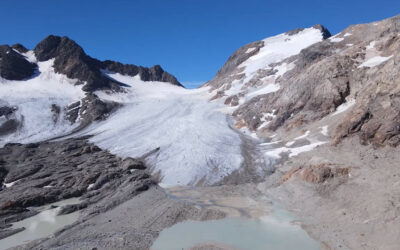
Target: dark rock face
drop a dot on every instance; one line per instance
(71, 60)
(7, 111)
(19, 47)
(10, 124)
(90, 109)
(51, 171)
(155, 73)
(14, 66)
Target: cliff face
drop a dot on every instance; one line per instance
(278, 84)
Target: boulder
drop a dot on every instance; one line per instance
(131, 163)
(316, 173)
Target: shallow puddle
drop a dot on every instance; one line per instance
(41, 225)
(273, 232)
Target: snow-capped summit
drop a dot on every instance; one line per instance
(50, 89)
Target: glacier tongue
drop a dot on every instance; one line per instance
(195, 141)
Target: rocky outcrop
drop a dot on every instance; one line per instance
(89, 109)
(20, 48)
(71, 60)
(316, 173)
(14, 66)
(46, 172)
(8, 121)
(155, 73)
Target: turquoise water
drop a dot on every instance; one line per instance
(272, 232)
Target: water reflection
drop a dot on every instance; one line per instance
(41, 225)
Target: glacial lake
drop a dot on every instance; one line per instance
(41, 225)
(273, 232)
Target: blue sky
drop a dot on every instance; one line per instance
(191, 39)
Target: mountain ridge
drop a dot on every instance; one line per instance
(71, 60)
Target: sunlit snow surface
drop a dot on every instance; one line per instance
(271, 56)
(278, 48)
(34, 98)
(195, 140)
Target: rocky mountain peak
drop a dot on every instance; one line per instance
(56, 46)
(71, 60)
(20, 48)
(13, 66)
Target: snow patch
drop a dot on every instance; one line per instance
(374, 61)
(343, 107)
(324, 130)
(8, 185)
(371, 45)
(249, 50)
(276, 152)
(305, 148)
(90, 186)
(336, 39)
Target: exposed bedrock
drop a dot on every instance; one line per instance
(14, 66)
(40, 173)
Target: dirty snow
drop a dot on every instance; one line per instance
(336, 39)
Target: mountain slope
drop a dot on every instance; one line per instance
(52, 87)
(356, 66)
